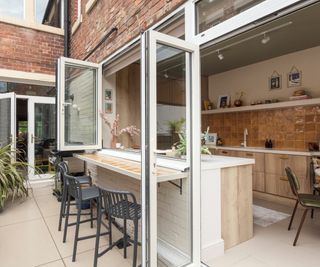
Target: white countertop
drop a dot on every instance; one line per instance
(267, 150)
(209, 162)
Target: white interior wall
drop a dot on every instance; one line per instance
(253, 79)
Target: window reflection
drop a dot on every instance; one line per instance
(48, 12)
(212, 12)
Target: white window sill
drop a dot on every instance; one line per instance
(76, 25)
(32, 25)
(90, 5)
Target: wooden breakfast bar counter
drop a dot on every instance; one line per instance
(226, 198)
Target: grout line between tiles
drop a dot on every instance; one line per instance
(24, 221)
(48, 230)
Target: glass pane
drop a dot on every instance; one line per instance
(5, 121)
(12, 8)
(48, 12)
(27, 89)
(44, 135)
(212, 12)
(80, 106)
(174, 209)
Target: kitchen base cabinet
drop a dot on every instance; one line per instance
(258, 181)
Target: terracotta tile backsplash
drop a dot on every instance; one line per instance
(288, 128)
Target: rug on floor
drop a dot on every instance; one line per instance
(265, 217)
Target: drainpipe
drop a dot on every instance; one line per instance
(66, 26)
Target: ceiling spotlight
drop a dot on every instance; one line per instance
(265, 39)
(220, 55)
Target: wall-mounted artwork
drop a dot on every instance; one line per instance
(275, 81)
(294, 77)
(108, 95)
(108, 108)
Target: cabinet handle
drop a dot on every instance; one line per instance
(284, 157)
(283, 178)
(224, 152)
(249, 154)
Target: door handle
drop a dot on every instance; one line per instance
(32, 138)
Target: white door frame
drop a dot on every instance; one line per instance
(32, 100)
(12, 97)
(150, 39)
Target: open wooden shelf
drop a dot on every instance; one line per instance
(284, 104)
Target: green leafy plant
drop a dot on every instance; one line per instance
(12, 175)
(181, 146)
(176, 125)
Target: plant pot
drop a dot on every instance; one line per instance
(238, 103)
(114, 142)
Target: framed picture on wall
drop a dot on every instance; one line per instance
(223, 101)
(108, 108)
(211, 139)
(108, 95)
(294, 77)
(275, 81)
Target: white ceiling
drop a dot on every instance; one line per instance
(303, 33)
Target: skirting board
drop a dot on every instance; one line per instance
(212, 251)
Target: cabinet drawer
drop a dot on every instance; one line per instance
(224, 152)
(276, 164)
(258, 157)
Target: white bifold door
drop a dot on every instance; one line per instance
(171, 220)
(7, 119)
(171, 231)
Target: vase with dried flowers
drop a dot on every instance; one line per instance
(238, 101)
(115, 130)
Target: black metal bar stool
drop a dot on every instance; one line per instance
(83, 180)
(80, 195)
(122, 205)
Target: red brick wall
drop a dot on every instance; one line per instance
(129, 16)
(29, 50)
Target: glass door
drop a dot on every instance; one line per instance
(42, 136)
(170, 100)
(7, 119)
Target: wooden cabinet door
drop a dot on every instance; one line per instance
(276, 178)
(258, 180)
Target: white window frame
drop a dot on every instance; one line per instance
(236, 22)
(62, 61)
(149, 142)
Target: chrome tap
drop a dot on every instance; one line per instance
(245, 134)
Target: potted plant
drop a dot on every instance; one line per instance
(176, 127)
(181, 146)
(12, 175)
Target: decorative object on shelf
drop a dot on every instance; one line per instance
(268, 143)
(219, 141)
(275, 81)
(115, 130)
(223, 101)
(238, 101)
(207, 105)
(299, 95)
(209, 138)
(294, 77)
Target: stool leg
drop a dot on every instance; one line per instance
(91, 213)
(300, 226)
(135, 243)
(62, 207)
(76, 235)
(66, 220)
(96, 251)
(110, 230)
(125, 238)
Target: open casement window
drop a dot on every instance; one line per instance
(79, 105)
